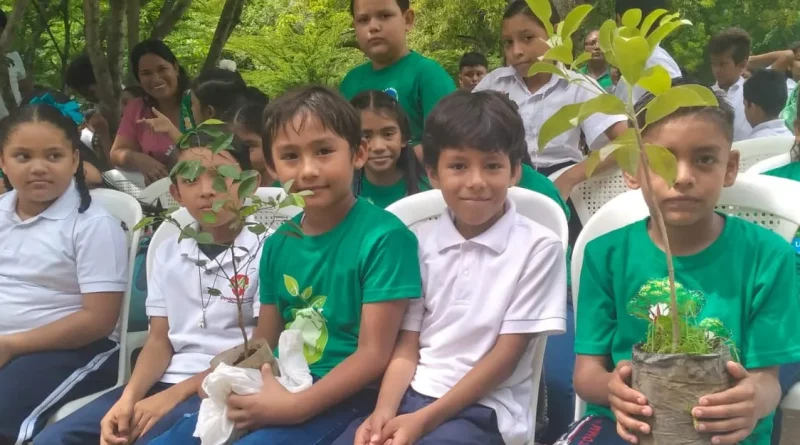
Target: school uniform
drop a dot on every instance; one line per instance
(48, 263)
(735, 97)
(178, 290)
(509, 280)
(659, 57)
(774, 127)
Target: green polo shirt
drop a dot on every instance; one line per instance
(604, 80)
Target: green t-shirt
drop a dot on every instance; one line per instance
(539, 183)
(744, 283)
(605, 80)
(788, 171)
(417, 82)
(789, 113)
(319, 283)
(385, 195)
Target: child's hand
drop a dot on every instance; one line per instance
(626, 403)
(732, 411)
(273, 405)
(403, 430)
(147, 412)
(369, 433)
(115, 426)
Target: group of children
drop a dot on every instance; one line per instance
(419, 337)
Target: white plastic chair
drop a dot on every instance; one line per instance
(129, 182)
(590, 195)
(763, 200)
(159, 192)
(125, 208)
(770, 164)
(422, 207)
(753, 151)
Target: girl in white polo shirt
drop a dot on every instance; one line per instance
(63, 270)
(188, 325)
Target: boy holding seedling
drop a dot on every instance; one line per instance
(739, 277)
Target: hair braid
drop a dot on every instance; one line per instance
(83, 189)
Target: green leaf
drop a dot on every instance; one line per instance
(662, 162)
(172, 209)
(230, 171)
(607, 32)
(247, 188)
(560, 53)
(603, 103)
(299, 201)
(678, 97)
(204, 238)
(221, 143)
(557, 124)
(656, 80)
(627, 158)
(598, 156)
(209, 218)
(546, 67)
(144, 222)
(287, 186)
(592, 162)
(246, 211)
(248, 174)
(542, 10)
(217, 205)
(574, 20)
(580, 60)
(192, 170)
(291, 285)
(665, 30)
(213, 292)
(210, 122)
(183, 142)
(632, 54)
(307, 293)
(187, 232)
(632, 18)
(219, 185)
(258, 229)
(650, 20)
(305, 193)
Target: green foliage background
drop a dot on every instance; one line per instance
(285, 43)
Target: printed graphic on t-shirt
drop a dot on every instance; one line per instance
(796, 242)
(306, 314)
(238, 285)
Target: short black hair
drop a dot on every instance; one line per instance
(722, 115)
(647, 6)
(516, 7)
(795, 47)
(250, 114)
(334, 112)
(221, 89)
(3, 19)
(403, 4)
(80, 74)
(735, 40)
(237, 150)
(767, 89)
(473, 59)
(487, 121)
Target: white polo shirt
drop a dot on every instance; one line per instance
(536, 108)
(178, 289)
(735, 97)
(659, 57)
(509, 280)
(48, 262)
(770, 128)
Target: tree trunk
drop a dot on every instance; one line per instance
(116, 41)
(171, 12)
(6, 40)
(106, 89)
(224, 29)
(67, 43)
(32, 43)
(237, 18)
(134, 32)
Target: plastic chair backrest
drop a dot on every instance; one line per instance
(159, 191)
(753, 151)
(131, 183)
(427, 206)
(589, 196)
(770, 164)
(763, 200)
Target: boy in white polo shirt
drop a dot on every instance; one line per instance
(492, 280)
(730, 51)
(188, 325)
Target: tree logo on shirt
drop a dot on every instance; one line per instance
(307, 317)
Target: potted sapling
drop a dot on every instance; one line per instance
(250, 354)
(682, 357)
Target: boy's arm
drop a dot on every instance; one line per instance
(399, 374)
(590, 378)
(778, 60)
(152, 362)
(270, 325)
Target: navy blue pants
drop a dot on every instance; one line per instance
(321, 430)
(34, 386)
(559, 364)
(83, 426)
(592, 430)
(476, 425)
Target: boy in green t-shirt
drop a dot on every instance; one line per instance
(412, 79)
(741, 274)
(344, 282)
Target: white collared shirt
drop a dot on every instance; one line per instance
(509, 280)
(48, 262)
(536, 108)
(770, 128)
(659, 57)
(178, 289)
(735, 97)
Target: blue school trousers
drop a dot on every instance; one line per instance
(34, 386)
(475, 425)
(321, 430)
(83, 426)
(559, 364)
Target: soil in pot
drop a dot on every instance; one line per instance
(260, 354)
(673, 385)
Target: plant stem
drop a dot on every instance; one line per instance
(239, 303)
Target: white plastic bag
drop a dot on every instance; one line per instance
(213, 426)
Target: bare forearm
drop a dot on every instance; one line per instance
(769, 391)
(150, 367)
(124, 158)
(591, 385)
(778, 58)
(73, 331)
(190, 386)
(395, 382)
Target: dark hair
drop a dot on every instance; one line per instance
(334, 112)
(239, 152)
(3, 19)
(767, 89)
(473, 59)
(795, 47)
(722, 115)
(250, 114)
(386, 106)
(647, 6)
(487, 121)
(79, 73)
(160, 49)
(735, 40)
(517, 7)
(403, 4)
(221, 89)
(51, 115)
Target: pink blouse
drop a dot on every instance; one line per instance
(152, 143)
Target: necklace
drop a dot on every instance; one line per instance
(203, 302)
